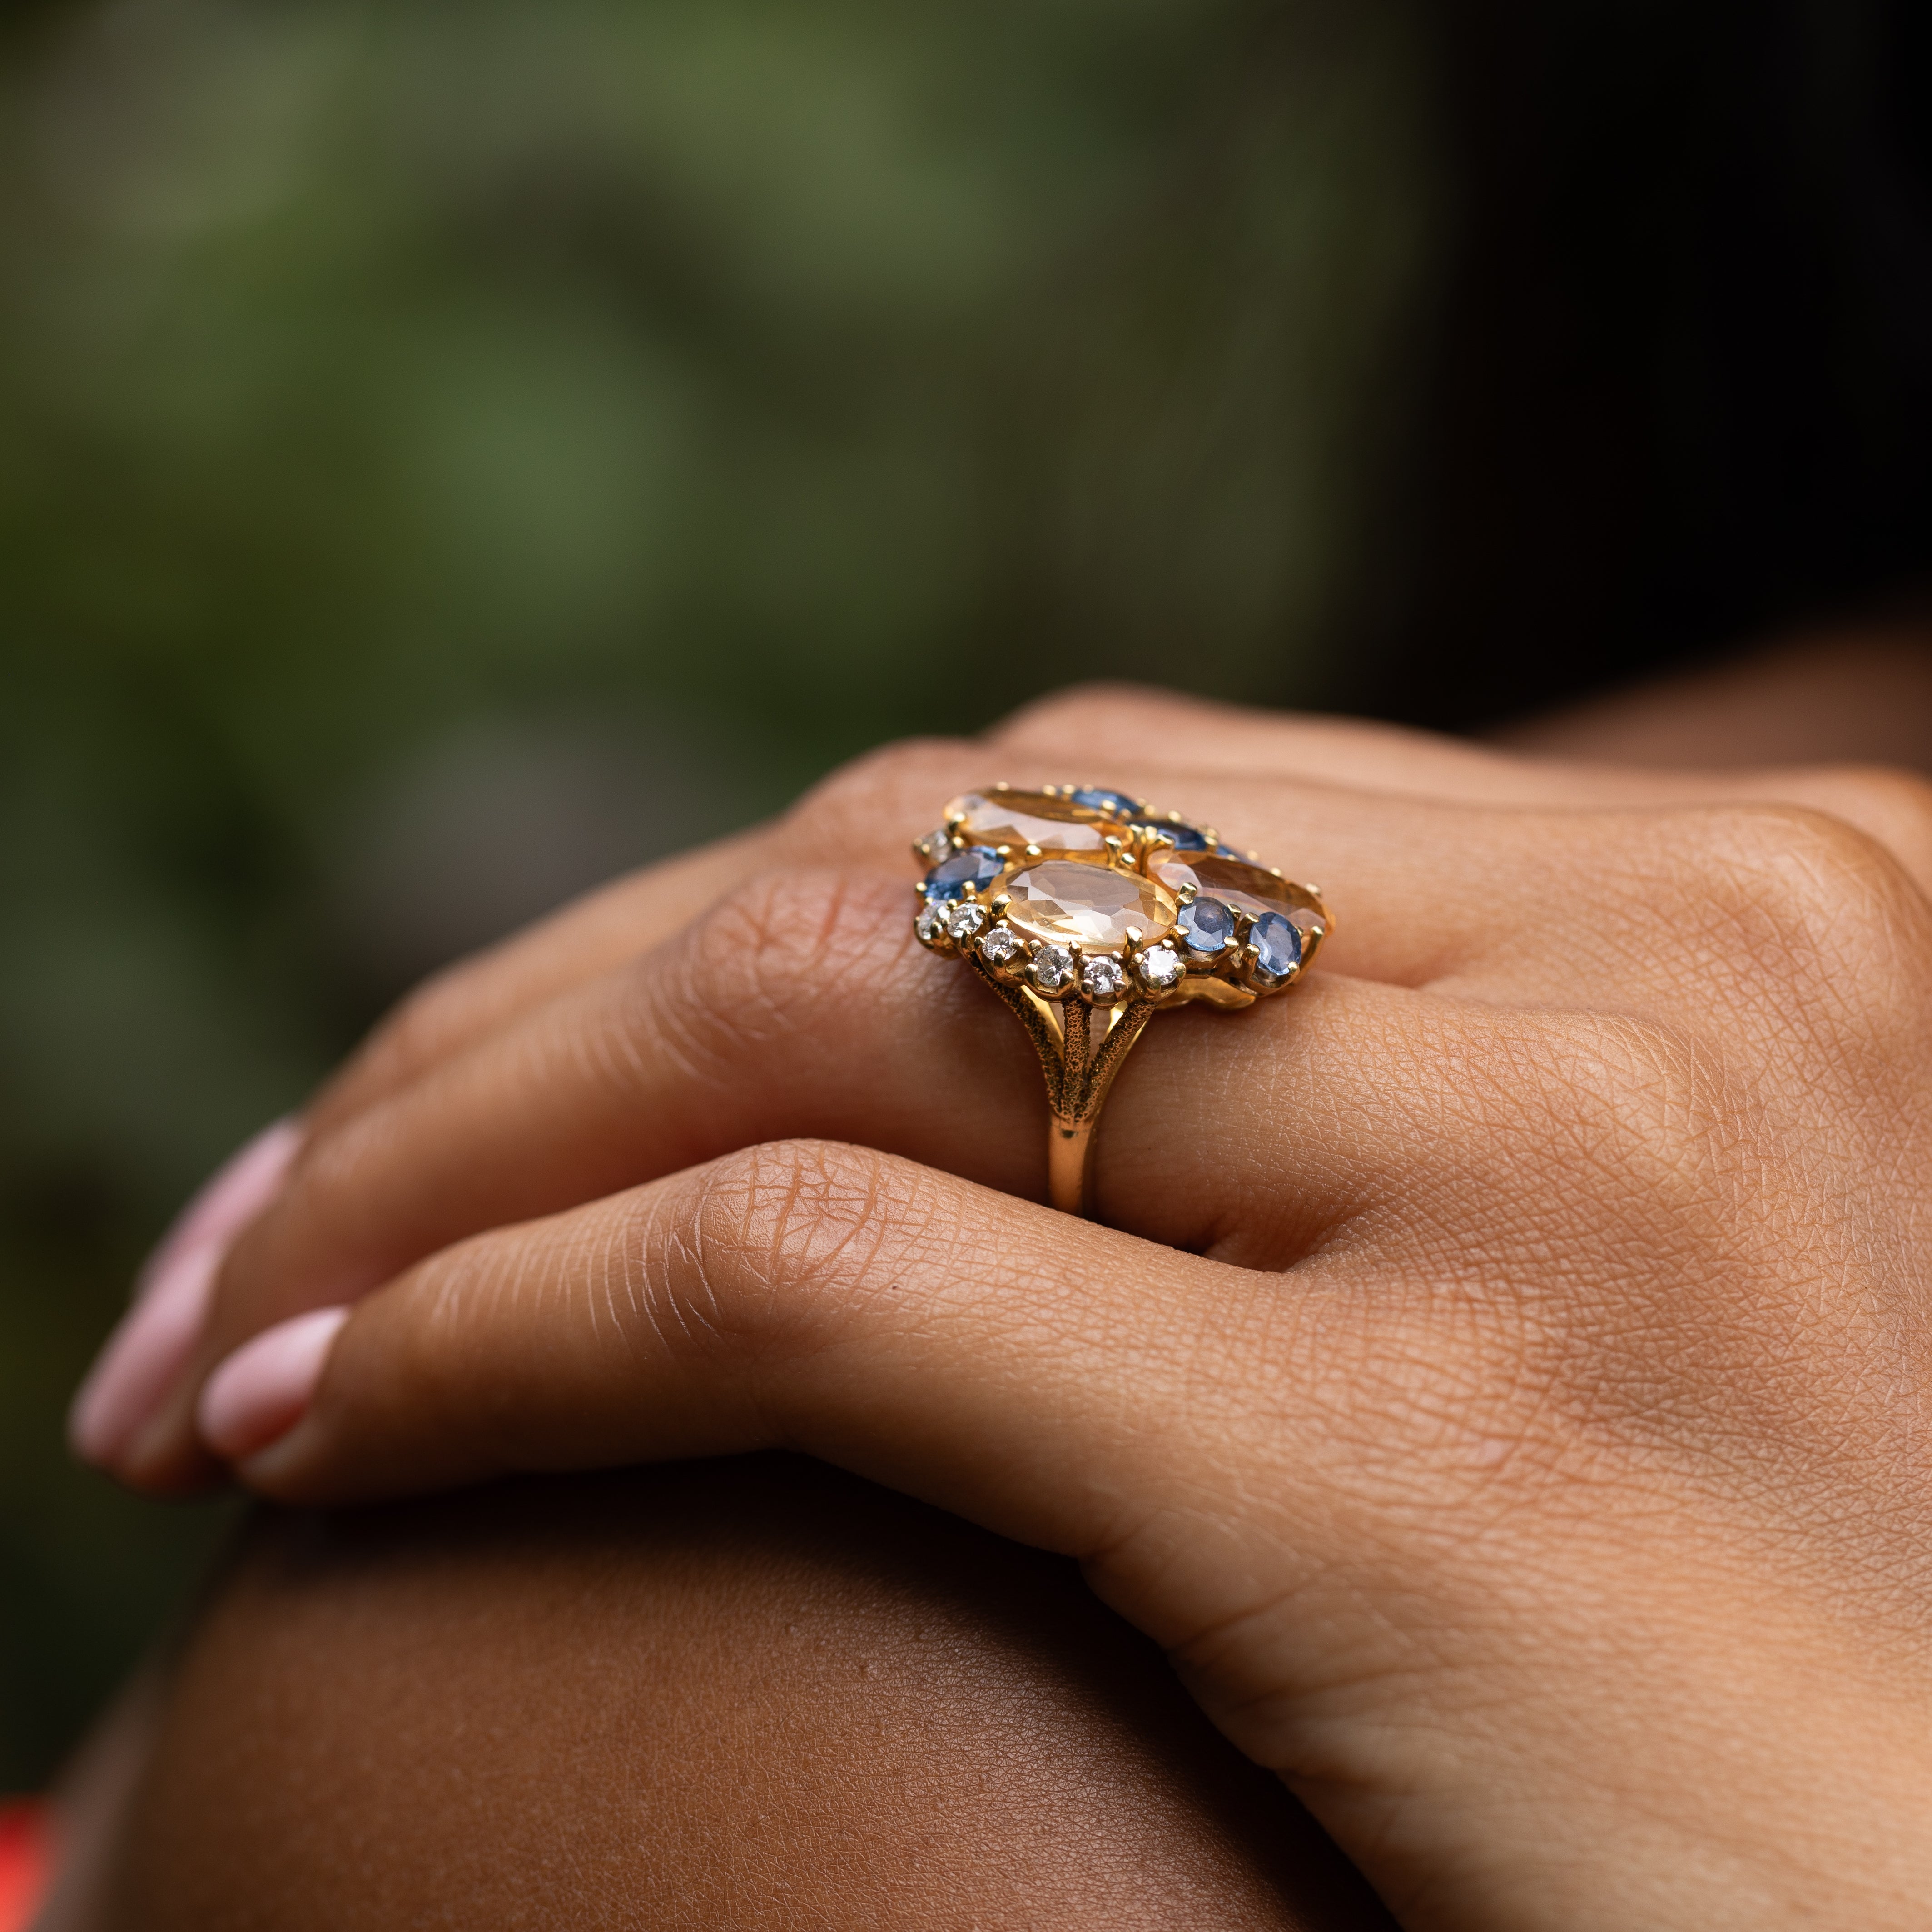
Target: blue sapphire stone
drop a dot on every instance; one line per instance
(1277, 944)
(978, 866)
(1229, 852)
(1207, 926)
(1095, 798)
(1185, 838)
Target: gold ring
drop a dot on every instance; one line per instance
(1088, 914)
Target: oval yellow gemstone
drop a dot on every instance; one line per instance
(1249, 888)
(1023, 818)
(1072, 903)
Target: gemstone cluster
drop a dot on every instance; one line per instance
(1083, 891)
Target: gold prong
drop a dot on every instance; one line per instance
(1188, 893)
(1032, 851)
(1000, 902)
(1114, 846)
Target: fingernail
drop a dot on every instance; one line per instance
(155, 1339)
(262, 1390)
(143, 1357)
(232, 1197)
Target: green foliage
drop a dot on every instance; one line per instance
(693, 390)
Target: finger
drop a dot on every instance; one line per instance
(1149, 741)
(470, 999)
(1147, 730)
(868, 812)
(806, 1294)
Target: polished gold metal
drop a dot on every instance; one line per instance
(1084, 1024)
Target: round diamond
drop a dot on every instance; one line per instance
(1097, 798)
(963, 921)
(1206, 927)
(1234, 882)
(1162, 969)
(1277, 944)
(1052, 969)
(978, 866)
(1023, 818)
(930, 925)
(1095, 906)
(1102, 979)
(1000, 946)
(938, 843)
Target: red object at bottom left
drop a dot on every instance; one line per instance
(26, 1860)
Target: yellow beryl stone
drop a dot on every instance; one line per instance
(1023, 818)
(1248, 889)
(1072, 903)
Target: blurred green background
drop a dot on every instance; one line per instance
(451, 452)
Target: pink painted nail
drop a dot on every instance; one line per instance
(152, 1344)
(262, 1390)
(227, 1201)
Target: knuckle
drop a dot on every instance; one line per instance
(768, 959)
(1794, 902)
(1894, 806)
(790, 1243)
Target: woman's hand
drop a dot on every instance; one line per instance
(769, 988)
(1528, 1460)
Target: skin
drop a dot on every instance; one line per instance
(1487, 1337)
(927, 1728)
(1860, 692)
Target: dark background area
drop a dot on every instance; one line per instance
(1676, 393)
(451, 453)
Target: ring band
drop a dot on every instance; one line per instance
(1087, 914)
